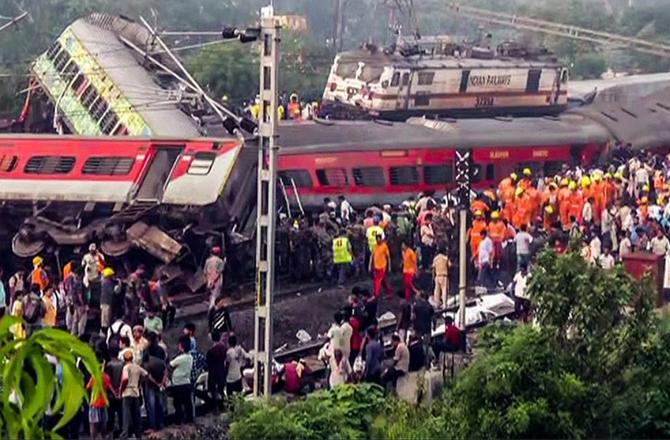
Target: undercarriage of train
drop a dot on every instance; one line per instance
(172, 239)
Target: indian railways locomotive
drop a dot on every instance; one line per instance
(447, 80)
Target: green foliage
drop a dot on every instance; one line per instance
(28, 378)
(589, 66)
(347, 412)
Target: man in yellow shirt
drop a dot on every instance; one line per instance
(409, 269)
(342, 256)
(381, 265)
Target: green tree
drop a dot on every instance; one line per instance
(29, 380)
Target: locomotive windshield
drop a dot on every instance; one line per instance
(359, 70)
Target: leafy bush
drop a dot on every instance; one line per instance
(346, 412)
(29, 380)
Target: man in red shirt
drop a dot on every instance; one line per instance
(453, 338)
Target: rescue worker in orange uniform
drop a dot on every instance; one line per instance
(550, 216)
(598, 191)
(522, 210)
(575, 204)
(659, 181)
(526, 182)
(563, 195)
(498, 233)
(479, 205)
(507, 182)
(492, 197)
(475, 233)
(611, 189)
(39, 275)
(508, 199)
(535, 199)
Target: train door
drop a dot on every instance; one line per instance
(403, 89)
(159, 171)
(533, 84)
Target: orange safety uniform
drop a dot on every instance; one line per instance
(294, 111)
(523, 211)
(505, 184)
(535, 198)
(599, 198)
(39, 277)
(479, 205)
(508, 200)
(575, 207)
(497, 232)
(478, 225)
(659, 182)
(550, 219)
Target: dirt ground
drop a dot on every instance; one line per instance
(312, 311)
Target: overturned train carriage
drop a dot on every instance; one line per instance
(164, 196)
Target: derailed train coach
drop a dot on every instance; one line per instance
(168, 197)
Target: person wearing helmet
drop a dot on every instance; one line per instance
(474, 234)
(39, 276)
(506, 184)
(563, 195)
(497, 231)
(599, 197)
(527, 180)
(479, 205)
(107, 290)
(523, 209)
(575, 203)
(294, 110)
(549, 216)
(213, 269)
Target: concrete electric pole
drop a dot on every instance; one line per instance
(266, 206)
(463, 180)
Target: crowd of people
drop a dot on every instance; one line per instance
(605, 212)
(290, 107)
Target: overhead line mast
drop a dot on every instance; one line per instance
(560, 30)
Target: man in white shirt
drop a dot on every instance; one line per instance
(660, 244)
(626, 246)
(520, 283)
(522, 240)
(346, 210)
(92, 262)
(486, 250)
(606, 260)
(595, 246)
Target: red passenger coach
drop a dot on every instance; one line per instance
(68, 190)
(385, 163)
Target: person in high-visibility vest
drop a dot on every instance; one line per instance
(38, 275)
(342, 256)
(294, 110)
(371, 235)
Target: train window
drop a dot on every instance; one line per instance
(405, 79)
(301, 178)
(553, 167)
(332, 177)
(476, 173)
(61, 60)
(109, 122)
(395, 81)
(346, 70)
(49, 165)
(404, 176)
(369, 176)
(202, 164)
(490, 172)
(8, 163)
(99, 108)
(53, 50)
(371, 73)
(78, 81)
(426, 78)
(422, 99)
(108, 166)
(89, 96)
(438, 174)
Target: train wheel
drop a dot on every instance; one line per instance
(26, 245)
(115, 248)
